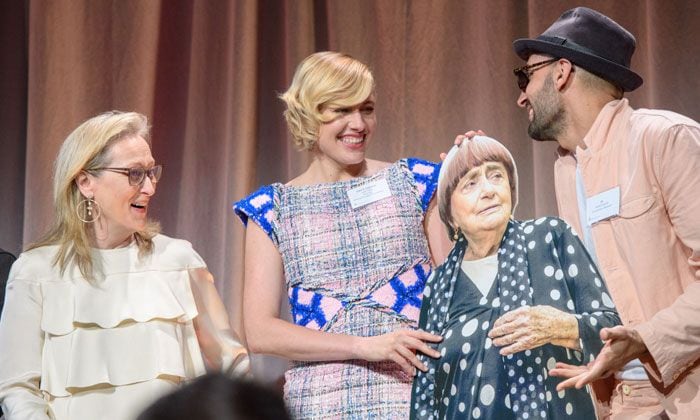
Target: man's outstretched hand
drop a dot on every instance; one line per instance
(622, 345)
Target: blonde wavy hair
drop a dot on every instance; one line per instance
(323, 79)
(88, 147)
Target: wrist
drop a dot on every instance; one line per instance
(638, 347)
(357, 347)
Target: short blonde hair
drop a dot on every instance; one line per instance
(88, 147)
(323, 79)
(471, 154)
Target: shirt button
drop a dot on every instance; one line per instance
(626, 389)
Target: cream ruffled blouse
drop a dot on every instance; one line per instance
(70, 349)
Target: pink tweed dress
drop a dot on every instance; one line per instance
(350, 271)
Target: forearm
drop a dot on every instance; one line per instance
(21, 400)
(282, 338)
(672, 336)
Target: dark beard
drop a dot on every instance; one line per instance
(548, 115)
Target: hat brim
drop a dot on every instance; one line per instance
(621, 76)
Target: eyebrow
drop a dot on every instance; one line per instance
(489, 167)
(495, 166)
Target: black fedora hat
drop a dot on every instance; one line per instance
(590, 40)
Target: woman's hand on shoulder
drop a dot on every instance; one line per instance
(400, 347)
(529, 327)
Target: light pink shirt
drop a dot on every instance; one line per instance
(649, 253)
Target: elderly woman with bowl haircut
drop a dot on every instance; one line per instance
(105, 314)
(510, 299)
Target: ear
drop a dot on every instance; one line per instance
(85, 184)
(564, 74)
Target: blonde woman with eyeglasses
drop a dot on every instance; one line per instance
(105, 314)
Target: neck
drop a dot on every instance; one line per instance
(483, 244)
(324, 169)
(102, 239)
(583, 111)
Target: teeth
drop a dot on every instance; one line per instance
(352, 140)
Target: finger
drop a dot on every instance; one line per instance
(562, 365)
(501, 330)
(480, 132)
(459, 139)
(511, 337)
(443, 155)
(505, 340)
(585, 379)
(567, 372)
(569, 383)
(510, 316)
(594, 372)
(425, 336)
(399, 360)
(516, 347)
(403, 364)
(411, 358)
(417, 345)
(614, 333)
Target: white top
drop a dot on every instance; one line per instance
(104, 350)
(482, 272)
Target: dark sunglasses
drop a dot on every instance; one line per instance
(523, 73)
(136, 175)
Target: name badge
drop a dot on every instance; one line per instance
(603, 206)
(369, 193)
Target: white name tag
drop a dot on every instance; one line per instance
(603, 206)
(369, 193)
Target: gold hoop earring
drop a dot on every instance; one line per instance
(88, 210)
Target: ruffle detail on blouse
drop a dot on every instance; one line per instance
(93, 358)
(126, 329)
(121, 298)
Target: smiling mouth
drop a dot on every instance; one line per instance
(138, 206)
(352, 140)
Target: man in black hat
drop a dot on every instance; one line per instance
(628, 181)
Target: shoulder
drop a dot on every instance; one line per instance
(35, 264)
(422, 168)
(375, 166)
(657, 126)
(424, 175)
(256, 204)
(164, 244)
(176, 253)
(542, 226)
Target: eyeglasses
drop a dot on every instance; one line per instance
(136, 175)
(523, 73)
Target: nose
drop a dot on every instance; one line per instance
(487, 188)
(522, 100)
(356, 120)
(148, 187)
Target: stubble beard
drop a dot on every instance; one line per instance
(548, 114)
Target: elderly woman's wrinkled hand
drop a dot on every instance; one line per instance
(529, 327)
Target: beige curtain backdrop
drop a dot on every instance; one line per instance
(208, 72)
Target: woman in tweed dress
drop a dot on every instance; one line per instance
(347, 239)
